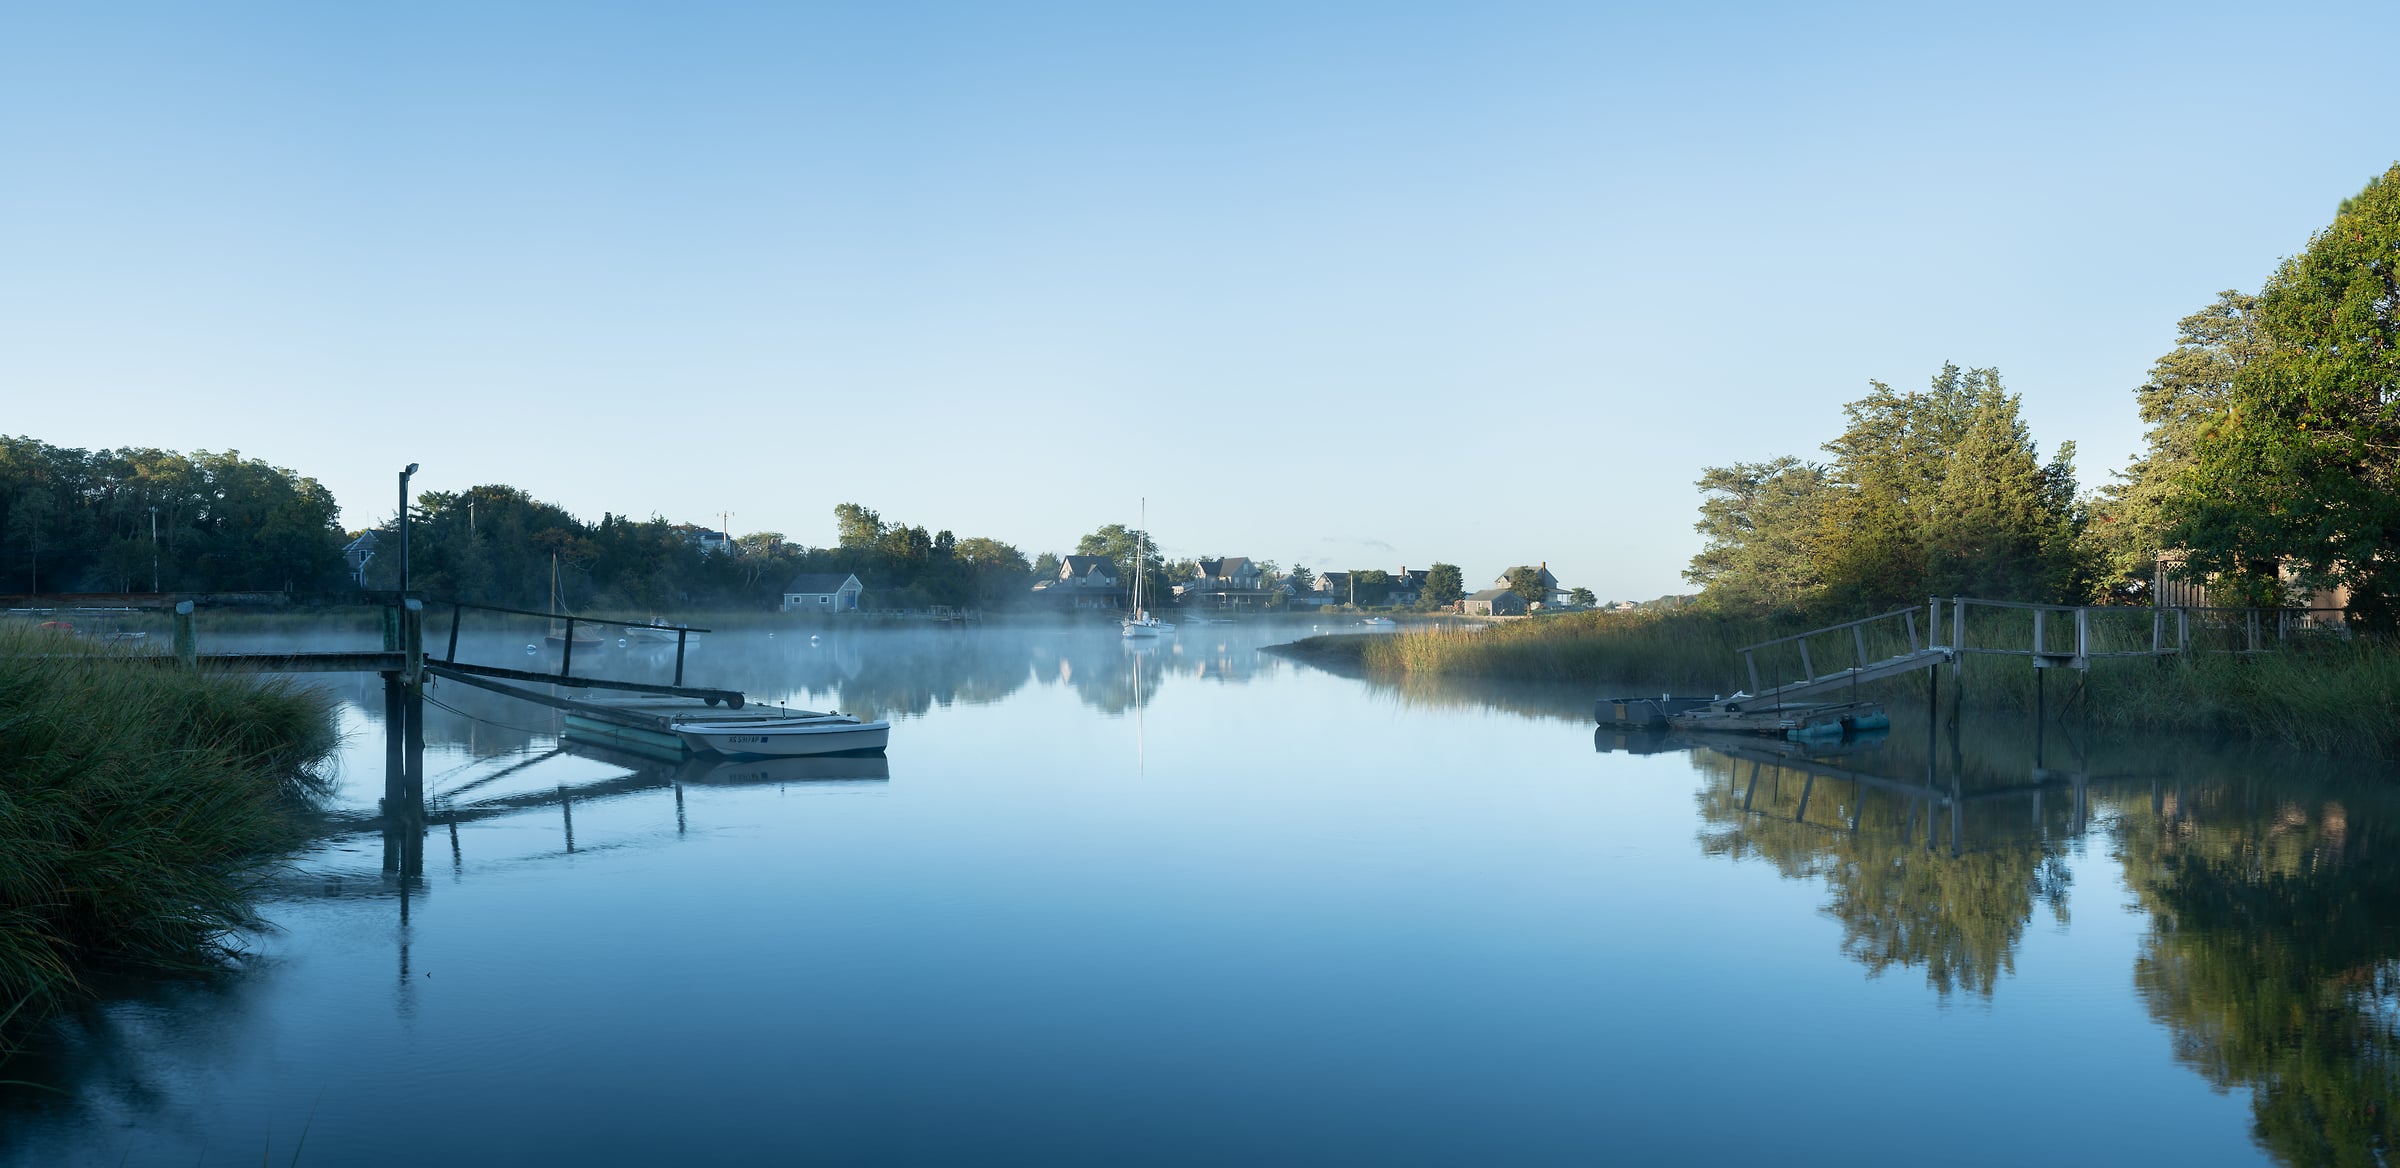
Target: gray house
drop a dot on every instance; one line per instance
(1082, 582)
(1493, 602)
(822, 592)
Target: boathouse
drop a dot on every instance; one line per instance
(822, 592)
(1493, 602)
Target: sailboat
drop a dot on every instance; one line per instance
(1143, 622)
(586, 637)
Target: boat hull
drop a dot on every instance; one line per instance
(771, 740)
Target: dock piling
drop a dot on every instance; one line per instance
(187, 643)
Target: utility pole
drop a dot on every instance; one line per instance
(412, 469)
(153, 549)
(725, 528)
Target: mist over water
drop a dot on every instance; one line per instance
(1192, 903)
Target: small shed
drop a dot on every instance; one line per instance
(822, 592)
(1493, 602)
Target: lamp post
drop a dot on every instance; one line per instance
(412, 469)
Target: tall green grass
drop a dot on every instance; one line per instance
(2315, 691)
(138, 803)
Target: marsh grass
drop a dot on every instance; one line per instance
(2313, 691)
(137, 805)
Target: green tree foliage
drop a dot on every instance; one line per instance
(2303, 468)
(1445, 585)
(1045, 566)
(2188, 390)
(1936, 491)
(1302, 579)
(1526, 581)
(855, 526)
(80, 521)
(1118, 542)
(1370, 587)
(1764, 523)
(1582, 596)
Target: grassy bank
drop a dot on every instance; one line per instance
(2324, 695)
(136, 806)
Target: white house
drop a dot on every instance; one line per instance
(822, 592)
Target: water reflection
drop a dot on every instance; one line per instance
(2270, 883)
(1016, 894)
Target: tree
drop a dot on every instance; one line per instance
(1765, 525)
(1370, 587)
(2002, 525)
(2303, 469)
(1941, 489)
(1045, 566)
(1302, 580)
(1526, 581)
(2188, 390)
(1583, 597)
(1118, 542)
(855, 526)
(1445, 585)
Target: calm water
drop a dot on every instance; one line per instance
(1198, 905)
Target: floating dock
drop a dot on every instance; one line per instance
(1796, 721)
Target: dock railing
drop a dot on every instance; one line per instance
(1883, 627)
(2073, 636)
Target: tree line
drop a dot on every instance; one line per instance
(135, 518)
(2271, 468)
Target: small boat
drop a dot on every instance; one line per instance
(586, 637)
(1377, 622)
(1143, 622)
(802, 733)
(657, 630)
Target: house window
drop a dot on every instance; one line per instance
(824, 600)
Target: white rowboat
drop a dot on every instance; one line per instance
(814, 734)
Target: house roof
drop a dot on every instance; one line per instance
(1085, 565)
(812, 582)
(1226, 568)
(1491, 594)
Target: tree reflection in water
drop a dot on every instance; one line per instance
(2272, 884)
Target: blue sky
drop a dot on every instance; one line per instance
(1346, 285)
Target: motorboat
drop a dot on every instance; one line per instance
(1377, 622)
(800, 734)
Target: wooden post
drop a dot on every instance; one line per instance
(1911, 614)
(2250, 628)
(1958, 647)
(566, 656)
(391, 628)
(412, 641)
(2183, 629)
(2083, 637)
(1807, 671)
(682, 634)
(2158, 630)
(455, 613)
(1858, 634)
(2041, 639)
(187, 643)
(395, 731)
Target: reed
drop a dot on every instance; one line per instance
(1692, 649)
(138, 807)
(2321, 694)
